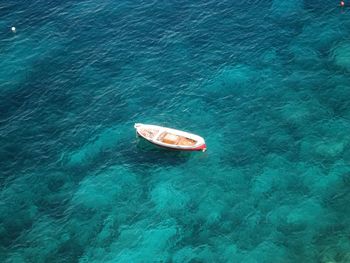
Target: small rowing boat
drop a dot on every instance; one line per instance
(170, 138)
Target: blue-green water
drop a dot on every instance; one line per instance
(266, 83)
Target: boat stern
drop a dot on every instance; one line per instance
(202, 148)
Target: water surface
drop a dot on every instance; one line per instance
(265, 82)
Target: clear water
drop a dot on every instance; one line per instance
(265, 82)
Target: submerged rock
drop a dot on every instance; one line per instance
(167, 198)
(232, 80)
(107, 140)
(341, 55)
(286, 8)
(305, 215)
(107, 189)
(143, 243)
(193, 254)
(266, 252)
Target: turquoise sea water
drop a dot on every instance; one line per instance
(266, 83)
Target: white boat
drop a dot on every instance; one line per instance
(170, 138)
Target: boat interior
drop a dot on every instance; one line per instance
(174, 139)
(149, 133)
